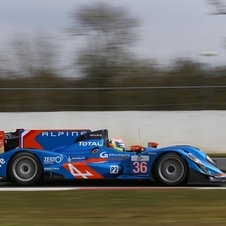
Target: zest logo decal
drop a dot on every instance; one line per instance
(140, 167)
(82, 171)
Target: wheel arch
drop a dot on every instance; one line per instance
(16, 153)
(166, 153)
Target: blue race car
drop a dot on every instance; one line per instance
(90, 157)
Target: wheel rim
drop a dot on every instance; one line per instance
(24, 168)
(171, 170)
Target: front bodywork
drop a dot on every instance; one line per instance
(202, 169)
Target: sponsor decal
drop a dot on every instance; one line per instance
(83, 143)
(2, 162)
(69, 159)
(62, 133)
(78, 158)
(106, 155)
(52, 160)
(119, 155)
(51, 168)
(140, 158)
(114, 169)
(75, 158)
(95, 135)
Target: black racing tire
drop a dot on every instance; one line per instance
(171, 170)
(25, 169)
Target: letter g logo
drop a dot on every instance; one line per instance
(103, 154)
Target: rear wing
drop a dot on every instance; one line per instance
(39, 139)
(9, 140)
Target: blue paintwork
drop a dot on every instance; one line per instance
(50, 139)
(108, 162)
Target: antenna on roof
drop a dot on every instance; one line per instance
(139, 136)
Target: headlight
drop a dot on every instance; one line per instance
(199, 163)
(194, 159)
(210, 160)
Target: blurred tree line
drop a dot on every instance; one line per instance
(111, 77)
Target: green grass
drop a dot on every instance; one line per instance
(118, 208)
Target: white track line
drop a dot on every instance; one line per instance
(105, 188)
(38, 189)
(148, 188)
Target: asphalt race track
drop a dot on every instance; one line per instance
(100, 185)
(106, 185)
(221, 163)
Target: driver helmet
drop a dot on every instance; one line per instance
(117, 144)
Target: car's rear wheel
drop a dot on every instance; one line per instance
(25, 169)
(171, 169)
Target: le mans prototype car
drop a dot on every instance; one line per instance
(29, 159)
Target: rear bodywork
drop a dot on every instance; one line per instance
(45, 139)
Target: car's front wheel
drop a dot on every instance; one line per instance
(25, 169)
(171, 169)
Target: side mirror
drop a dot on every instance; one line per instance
(136, 148)
(152, 144)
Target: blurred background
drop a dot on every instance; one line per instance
(155, 55)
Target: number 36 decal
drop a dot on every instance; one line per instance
(140, 167)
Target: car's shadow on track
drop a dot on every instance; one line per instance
(88, 183)
(104, 183)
